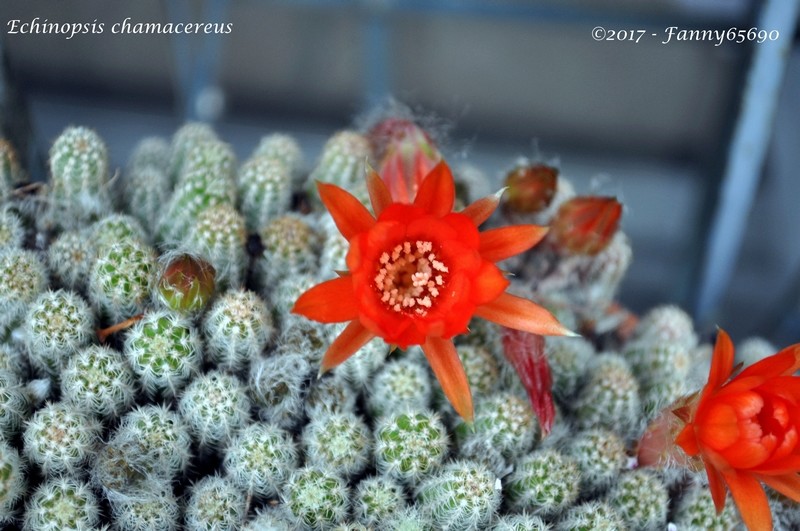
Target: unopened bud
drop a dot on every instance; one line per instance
(531, 188)
(585, 225)
(186, 284)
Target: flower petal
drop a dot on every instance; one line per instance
(716, 486)
(332, 301)
(505, 242)
(521, 314)
(746, 454)
(784, 363)
(350, 216)
(379, 195)
(721, 364)
(437, 192)
(779, 466)
(687, 439)
(352, 338)
(447, 367)
(788, 484)
(751, 500)
(489, 283)
(483, 208)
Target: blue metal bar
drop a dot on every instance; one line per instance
(746, 155)
(377, 80)
(197, 69)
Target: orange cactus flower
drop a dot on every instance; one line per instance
(746, 430)
(418, 272)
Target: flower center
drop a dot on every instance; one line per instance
(410, 277)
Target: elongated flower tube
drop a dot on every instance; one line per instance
(746, 430)
(418, 272)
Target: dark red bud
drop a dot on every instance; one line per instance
(531, 188)
(186, 284)
(585, 225)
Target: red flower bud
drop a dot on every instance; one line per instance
(406, 154)
(186, 284)
(530, 188)
(585, 225)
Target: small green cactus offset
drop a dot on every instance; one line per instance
(463, 495)
(79, 178)
(237, 329)
(339, 442)
(122, 278)
(544, 482)
(410, 445)
(61, 439)
(215, 504)
(317, 499)
(58, 324)
(13, 480)
(164, 351)
(215, 407)
(265, 190)
(260, 459)
(97, 380)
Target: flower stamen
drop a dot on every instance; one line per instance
(410, 277)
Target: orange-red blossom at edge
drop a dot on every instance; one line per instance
(417, 273)
(746, 430)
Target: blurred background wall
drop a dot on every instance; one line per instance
(652, 123)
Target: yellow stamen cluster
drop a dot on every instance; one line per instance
(410, 277)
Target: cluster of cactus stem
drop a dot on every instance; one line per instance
(152, 375)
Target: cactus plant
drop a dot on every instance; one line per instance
(219, 236)
(376, 498)
(164, 351)
(264, 189)
(14, 404)
(97, 380)
(215, 406)
(410, 445)
(236, 330)
(285, 148)
(328, 395)
(70, 258)
(463, 495)
(22, 278)
(316, 498)
(215, 504)
(79, 178)
(277, 387)
(544, 482)
(62, 503)
(342, 161)
(121, 278)
(641, 499)
(58, 324)
(338, 442)
(400, 383)
(206, 179)
(260, 459)
(60, 439)
(610, 397)
(161, 435)
(13, 481)
(12, 229)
